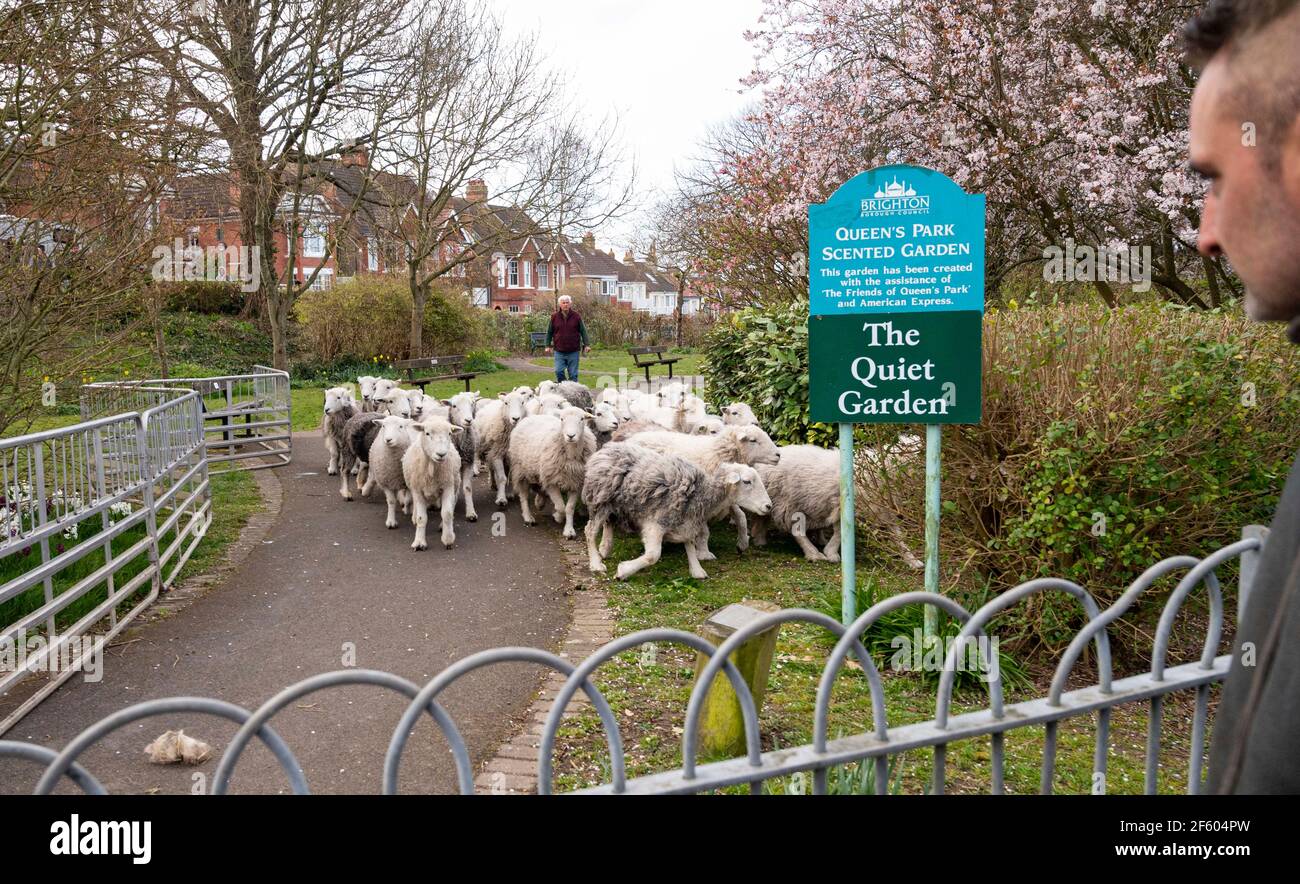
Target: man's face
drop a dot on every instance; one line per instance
(1252, 209)
(565, 304)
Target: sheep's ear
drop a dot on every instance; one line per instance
(376, 420)
(501, 395)
(456, 429)
(733, 477)
(446, 402)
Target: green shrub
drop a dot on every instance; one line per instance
(1110, 439)
(203, 296)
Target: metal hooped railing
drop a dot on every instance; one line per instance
(875, 745)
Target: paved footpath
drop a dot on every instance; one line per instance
(328, 575)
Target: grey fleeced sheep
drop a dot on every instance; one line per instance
(460, 413)
(338, 410)
(662, 496)
(431, 470)
(735, 444)
(359, 431)
(552, 452)
(578, 395)
(805, 490)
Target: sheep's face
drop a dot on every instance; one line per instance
(546, 387)
(527, 392)
(605, 418)
(336, 399)
(756, 446)
(514, 406)
(383, 386)
(393, 430)
(460, 408)
(397, 403)
(434, 437)
(748, 484)
(738, 414)
(709, 426)
(573, 424)
(367, 384)
(672, 396)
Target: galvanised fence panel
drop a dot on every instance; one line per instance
(97, 518)
(246, 417)
(875, 745)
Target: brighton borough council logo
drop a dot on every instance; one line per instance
(896, 198)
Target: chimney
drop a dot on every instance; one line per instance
(650, 256)
(476, 191)
(628, 257)
(589, 240)
(355, 155)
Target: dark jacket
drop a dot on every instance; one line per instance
(568, 332)
(1256, 743)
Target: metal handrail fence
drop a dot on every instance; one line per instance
(97, 518)
(876, 744)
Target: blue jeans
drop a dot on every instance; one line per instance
(566, 362)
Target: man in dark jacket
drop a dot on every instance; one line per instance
(1245, 139)
(568, 336)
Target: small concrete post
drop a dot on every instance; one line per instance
(722, 728)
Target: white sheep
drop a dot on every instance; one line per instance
(385, 460)
(431, 470)
(665, 498)
(493, 421)
(739, 414)
(552, 452)
(366, 383)
(708, 425)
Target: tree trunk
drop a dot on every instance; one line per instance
(419, 297)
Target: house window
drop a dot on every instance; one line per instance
(191, 238)
(625, 292)
(313, 242)
(372, 254)
(514, 273)
(501, 273)
(221, 233)
(543, 276)
(513, 308)
(606, 287)
(322, 280)
(528, 274)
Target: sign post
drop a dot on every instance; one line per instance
(896, 302)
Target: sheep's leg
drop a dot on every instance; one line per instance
(558, 508)
(569, 506)
(758, 532)
(607, 540)
(799, 531)
(693, 562)
(832, 549)
(363, 475)
(499, 472)
(421, 519)
(522, 492)
(652, 536)
(742, 528)
(391, 497)
(448, 516)
(404, 498)
(370, 483)
(332, 447)
(595, 557)
(343, 482)
(467, 488)
(702, 546)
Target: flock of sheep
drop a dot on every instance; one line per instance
(656, 464)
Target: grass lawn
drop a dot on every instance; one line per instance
(649, 693)
(610, 361)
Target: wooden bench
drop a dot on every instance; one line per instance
(648, 357)
(451, 368)
(536, 341)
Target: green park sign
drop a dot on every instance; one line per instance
(896, 299)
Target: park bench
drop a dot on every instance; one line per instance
(536, 341)
(451, 368)
(648, 357)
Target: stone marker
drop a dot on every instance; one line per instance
(722, 727)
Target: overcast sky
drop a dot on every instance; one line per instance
(669, 69)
